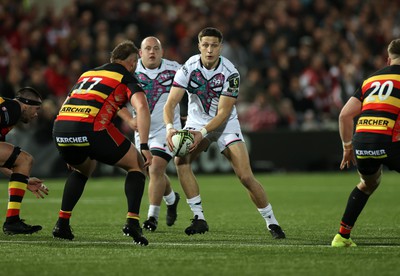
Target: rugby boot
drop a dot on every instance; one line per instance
(20, 227)
(339, 241)
(276, 231)
(150, 224)
(63, 231)
(133, 229)
(172, 211)
(198, 226)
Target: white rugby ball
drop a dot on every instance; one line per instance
(182, 141)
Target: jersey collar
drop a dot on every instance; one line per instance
(219, 62)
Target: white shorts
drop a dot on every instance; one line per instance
(223, 139)
(157, 142)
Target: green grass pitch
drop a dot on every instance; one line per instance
(308, 206)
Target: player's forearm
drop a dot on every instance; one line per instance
(168, 115)
(216, 122)
(124, 114)
(143, 123)
(346, 126)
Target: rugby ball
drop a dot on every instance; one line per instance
(182, 141)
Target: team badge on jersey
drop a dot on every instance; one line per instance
(234, 82)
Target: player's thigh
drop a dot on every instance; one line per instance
(132, 160)
(109, 146)
(238, 156)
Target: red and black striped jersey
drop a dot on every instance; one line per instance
(380, 96)
(95, 99)
(10, 112)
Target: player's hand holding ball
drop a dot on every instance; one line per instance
(182, 141)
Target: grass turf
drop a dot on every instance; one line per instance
(308, 206)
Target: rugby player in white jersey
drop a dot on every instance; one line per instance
(156, 75)
(212, 84)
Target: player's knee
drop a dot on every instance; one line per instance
(245, 178)
(23, 163)
(183, 168)
(182, 161)
(18, 158)
(370, 182)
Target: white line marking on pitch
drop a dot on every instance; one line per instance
(185, 244)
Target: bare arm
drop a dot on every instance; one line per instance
(127, 117)
(346, 119)
(346, 127)
(139, 102)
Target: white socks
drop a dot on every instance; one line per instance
(268, 215)
(169, 199)
(154, 211)
(195, 206)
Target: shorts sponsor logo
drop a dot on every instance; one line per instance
(72, 140)
(380, 153)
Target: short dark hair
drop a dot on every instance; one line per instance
(123, 50)
(394, 48)
(29, 95)
(209, 31)
(29, 92)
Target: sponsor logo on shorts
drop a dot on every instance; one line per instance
(362, 154)
(70, 141)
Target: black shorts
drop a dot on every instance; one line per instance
(370, 156)
(107, 146)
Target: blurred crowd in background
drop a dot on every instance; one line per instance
(299, 60)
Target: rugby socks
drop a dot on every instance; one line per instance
(16, 191)
(64, 215)
(132, 219)
(196, 207)
(73, 190)
(170, 199)
(63, 218)
(134, 188)
(355, 204)
(154, 211)
(268, 215)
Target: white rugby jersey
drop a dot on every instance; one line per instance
(157, 83)
(204, 88)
